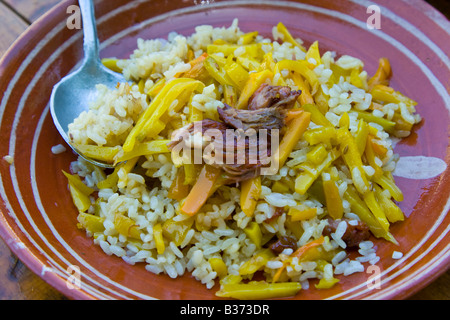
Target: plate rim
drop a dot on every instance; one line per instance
(59, 283)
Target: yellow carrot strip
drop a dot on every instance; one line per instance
(320, 135)
(361, 135)
(372, 204)
(124, 170)
(382, 75)
(237, 74)
(255, 80)
(256, 262)
(268, 63)
(287, 37)
(256, 290)
(253, 232)
(294, 132)
(321, 101)
(301, 67)
(370, 156)
(230, 95)
(300, 215)
(313, 53)
(126, 226)
(248, 38)
(392, 211)
(298, 254)
(190, 173)
(201, 190)
(369, 117)
(388, 183)
(218, 266)
(360, 208)
(280, 187)
(305, 96)
(333, 199)
(316, 116)
(388, 95)
(178, 190)
(156, 88)
(326, 283)
(352, 158)
(159, 240)
(80, 199)
(310, 172)
(176, 231)
(144, 149)
(356, 80)
(104, 154)
(111, 63)
(90, 222)
(149, 122)
(248, 63)
(250, 192)
(344, 122)
(111, 180)
(76, 182)
(317, 154)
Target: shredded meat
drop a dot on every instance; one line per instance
(269, 118)
(354, 233)
(227, 143)
(250, 153)
(266, 110)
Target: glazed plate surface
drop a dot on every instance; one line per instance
(38, 219)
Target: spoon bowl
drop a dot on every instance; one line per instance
(73, 94)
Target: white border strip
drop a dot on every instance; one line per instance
(338, 15)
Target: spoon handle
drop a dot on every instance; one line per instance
(90, 42)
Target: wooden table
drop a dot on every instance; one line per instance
(17, 282)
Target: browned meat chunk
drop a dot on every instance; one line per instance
(246, 160)
(354, 233)
(273, 96)
(250, 152)
(283, 243)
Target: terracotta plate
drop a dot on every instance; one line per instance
(38, 219)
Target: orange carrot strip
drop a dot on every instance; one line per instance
(377, 148)
(292, 114)
(196, 67)
(294, 132)
(382, 75)
(298, 253)
(202, 189)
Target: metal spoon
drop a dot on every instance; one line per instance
(73, 93)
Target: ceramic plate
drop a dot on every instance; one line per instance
(38, 219)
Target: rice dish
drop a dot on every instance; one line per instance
(331, 194)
